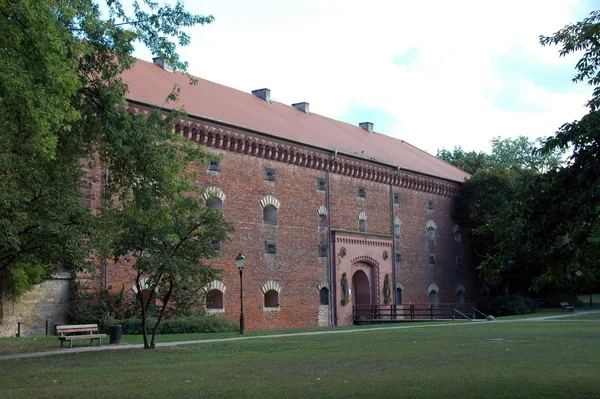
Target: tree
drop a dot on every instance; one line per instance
(551, 225)
(62, 102)
(470, 162)
(521, 153)
(157, 224)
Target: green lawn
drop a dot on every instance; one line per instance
(483, 360)
(13, 345)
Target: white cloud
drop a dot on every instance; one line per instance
(336, 54)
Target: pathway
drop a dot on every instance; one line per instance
(243, 338)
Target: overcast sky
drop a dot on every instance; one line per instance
(434, 73)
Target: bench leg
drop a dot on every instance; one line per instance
(61, 343)
(70, 344)
(99, 341)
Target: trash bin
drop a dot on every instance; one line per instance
(116, 333)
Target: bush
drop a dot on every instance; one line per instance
(505, 305)
(177, 325)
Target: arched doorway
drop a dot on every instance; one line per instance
(361, 288)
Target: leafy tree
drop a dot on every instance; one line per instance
(61, 102)
(157, 223)
(521, 153)
(551, 226)
(470, 162)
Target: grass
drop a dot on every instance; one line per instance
(468, 360)
(14, 345)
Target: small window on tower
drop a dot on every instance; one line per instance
(214, 165)
(269, 174)
(398, 257)
(430, 204)
(270, 247)
(396, 198)
(322, 251)
(362, 193)
(321, 184)
(215, 245)
(431, 259)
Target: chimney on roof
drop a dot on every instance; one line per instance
(302, 107)
(161, 62)
(265, 94)
(368, 126)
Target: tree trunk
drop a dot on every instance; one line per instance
(165, 301)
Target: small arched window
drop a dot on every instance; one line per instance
(271, 299)
(433, 298)
(323, 296)
(396, 229)
(214, 299)
(460, 298)
(398, 296)
(362, 226)
(270, 214)
(214, 203)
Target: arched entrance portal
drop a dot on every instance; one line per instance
(361, 288)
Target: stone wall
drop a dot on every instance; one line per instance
(48, 301)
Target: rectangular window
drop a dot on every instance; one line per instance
(430, 204)
(214, 165)
(396, 198)
(215, 245)
(270, 247)
(458, 260)
(362, 193)
(431, 259)
(322, 250)
(398, 257)
(269, 174)
(321, 184)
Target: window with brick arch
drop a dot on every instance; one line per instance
(362, 226)
(322, 222)
(433, 298)
(214, 203)
(270, 214)
(323, 296)
(271, 299)
(214, 299)
(398, 296)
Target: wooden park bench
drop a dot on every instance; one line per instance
(78, 331)
(567, 307)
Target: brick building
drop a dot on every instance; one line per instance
(315, 201)
(327, 214)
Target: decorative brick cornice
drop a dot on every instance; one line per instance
(254, 144)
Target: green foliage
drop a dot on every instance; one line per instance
(177, 325)
(89, 307)
(470, 162)
(551, 228)
(506, 305)
(61, 103)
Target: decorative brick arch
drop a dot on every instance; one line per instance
(362, 215)
(215, 285)
(399, 286)
(270, 200)
(433, 287)
(323, 284)
(214, 192)
(375, 264)
(430, 225)
(271, 285)
(460, 288)
(322, 211)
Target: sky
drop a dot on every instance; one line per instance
(437, 74)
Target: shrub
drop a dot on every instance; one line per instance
(505, 305)
(177, 325)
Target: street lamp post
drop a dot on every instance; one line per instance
(240, 259)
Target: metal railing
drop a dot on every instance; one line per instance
(413, 312)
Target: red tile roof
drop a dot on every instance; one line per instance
(151, 84)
